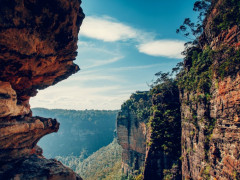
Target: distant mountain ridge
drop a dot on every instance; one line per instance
(80, 130)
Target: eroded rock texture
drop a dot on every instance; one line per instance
(149, 131)
(132, 131)
(209, 87)
(210, 118)
(38, 43)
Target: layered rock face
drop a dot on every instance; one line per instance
(213, 154)
(149, 131)
(225, 142)
(210, 117)
(209, 87)
(131, 131)
(210, 137)
(38, 43)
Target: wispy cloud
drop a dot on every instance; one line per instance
(85, 43)
(130, 68)
(106, 29)
(165, 48)
(92, 55)
(96, 76)
(96, 63)
(110, 30)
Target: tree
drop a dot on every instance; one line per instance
(191, 30)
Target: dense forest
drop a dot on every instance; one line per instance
(104, 164)
(81, 132)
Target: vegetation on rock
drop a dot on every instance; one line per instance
(139, 103)
(165, 130)
(165, 121)
(228, 17)
(209, 62)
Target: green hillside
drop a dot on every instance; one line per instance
(105, 164)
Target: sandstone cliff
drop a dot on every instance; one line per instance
(132, 131)
(149, 131)
(209, 95)
(38, 43)
(210, 89)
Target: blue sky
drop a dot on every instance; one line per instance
(122, 44)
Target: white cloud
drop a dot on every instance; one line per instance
(85, 44)
(80, 98)
(165, 48)
(106, 29)
(96, 63)
(109, 30)
(106, 87)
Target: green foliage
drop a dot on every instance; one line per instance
(167, 174)
(228, 17)
(139, 177)
(193, 30)
(206, 172)
(230, 64)
(165, 121)
(198, 74)
(165, 124)
(209, 126)
(139, 104)
(236, 175)
(105, 164)
(170, 174)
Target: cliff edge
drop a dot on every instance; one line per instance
(202, 110)
(38, 43)
(210, 98)
(132, 131)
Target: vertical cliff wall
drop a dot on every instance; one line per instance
(210, 100)
(38, 43)
(209, 87)
(149, 131)
(132, 131)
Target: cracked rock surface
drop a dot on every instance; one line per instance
(38, 43)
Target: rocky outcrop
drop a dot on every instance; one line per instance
(38, 43)
(37, 167)
(224, 154)
(20, 135)
(149, 131)
(209, 89)
(210, 116)
(132, 131)
(211, 141)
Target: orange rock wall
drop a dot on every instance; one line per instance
(221, 159)
(38, 43)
